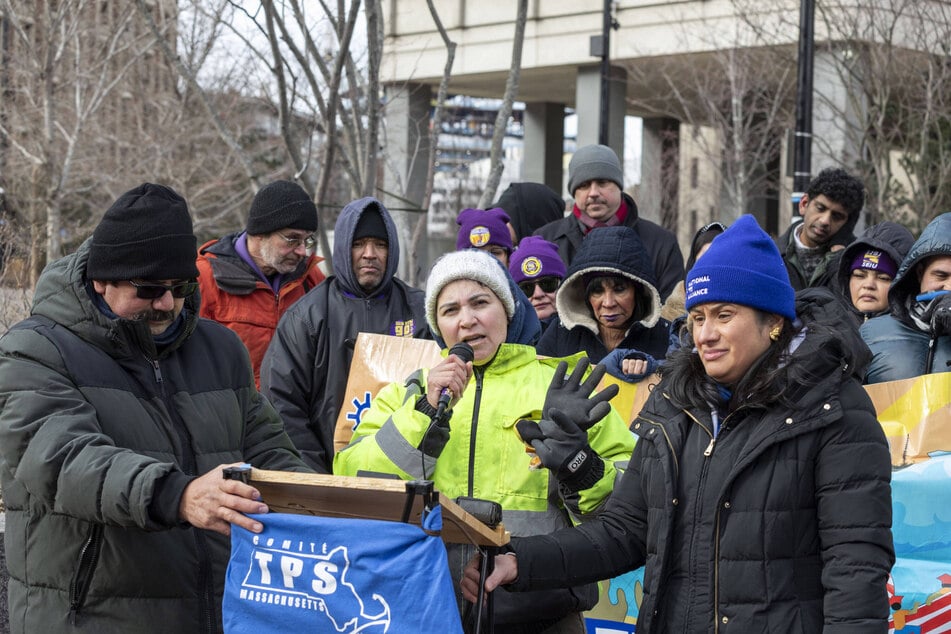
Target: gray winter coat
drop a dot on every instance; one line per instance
(306, 366)
(99, 435)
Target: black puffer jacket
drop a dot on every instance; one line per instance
(99, 435)
(781, 525)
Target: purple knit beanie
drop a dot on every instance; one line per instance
(875, 260)
(480, 228)
(536, 257)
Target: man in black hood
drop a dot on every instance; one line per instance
(306, 366)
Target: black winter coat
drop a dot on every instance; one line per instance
(305, 369)
(780, 525)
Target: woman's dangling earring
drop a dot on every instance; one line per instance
(775, 332)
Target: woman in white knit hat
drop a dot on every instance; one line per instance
(476, 449)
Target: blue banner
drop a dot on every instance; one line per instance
(317, 574)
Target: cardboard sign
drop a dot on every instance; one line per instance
(378, 360)
(915, 415)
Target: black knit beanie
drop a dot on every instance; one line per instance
(371, 225)
(147, 233)
(281, 205)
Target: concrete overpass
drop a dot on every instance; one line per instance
(658, 51)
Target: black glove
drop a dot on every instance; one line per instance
(563, 448)
(437, 434)
(941, 317)
(571, 396)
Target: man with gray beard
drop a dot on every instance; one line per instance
(250, 278)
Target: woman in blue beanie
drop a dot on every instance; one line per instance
(758, 495)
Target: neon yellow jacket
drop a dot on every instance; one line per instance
(485, 457)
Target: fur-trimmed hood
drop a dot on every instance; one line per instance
(609, 250)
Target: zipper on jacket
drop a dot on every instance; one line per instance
(205, 598)
(478, 372)
(701, 486)
(88, 559)
(189, 465)
(156, 370)
(716, 574)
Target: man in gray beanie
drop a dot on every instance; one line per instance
(596, 182)
(120, 409)
(250, 278)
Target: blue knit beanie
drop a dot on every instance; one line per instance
(742, 266)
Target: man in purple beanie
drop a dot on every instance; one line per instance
(486, 230)
(538, 270)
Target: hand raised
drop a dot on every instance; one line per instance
(571, 396)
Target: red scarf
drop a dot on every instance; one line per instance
(588, 223)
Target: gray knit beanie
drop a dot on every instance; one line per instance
(470, 264)
(593, 162)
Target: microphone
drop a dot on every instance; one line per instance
(465, 353)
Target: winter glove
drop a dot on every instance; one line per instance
(570, 396)
(437, 434)
(941, 316)
(562, 446)
(614, 367)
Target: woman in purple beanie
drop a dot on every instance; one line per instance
(538, 270)
(867, 267)
(487, 230)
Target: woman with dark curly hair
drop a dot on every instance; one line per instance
(758, 495)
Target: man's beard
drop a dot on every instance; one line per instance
(273, 258)
(155, 315)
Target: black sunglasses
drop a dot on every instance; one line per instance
(154, 291)
(547, 284)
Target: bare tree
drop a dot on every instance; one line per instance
(743, 96)
(505, 111)
(69, 62)
(894, 60)
(889, 110)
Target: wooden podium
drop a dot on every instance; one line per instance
(366, 498)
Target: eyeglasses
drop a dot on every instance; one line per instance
(154, 291)
(547, 284)
(309, 242)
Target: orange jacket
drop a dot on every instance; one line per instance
(233, 295)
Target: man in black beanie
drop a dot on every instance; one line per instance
(250, 278)
(305, 370)
(120, 409)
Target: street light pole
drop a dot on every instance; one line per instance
(802, 157)
(605, 73)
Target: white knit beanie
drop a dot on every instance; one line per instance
(470, 264)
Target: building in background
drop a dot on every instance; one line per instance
(713, 81)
